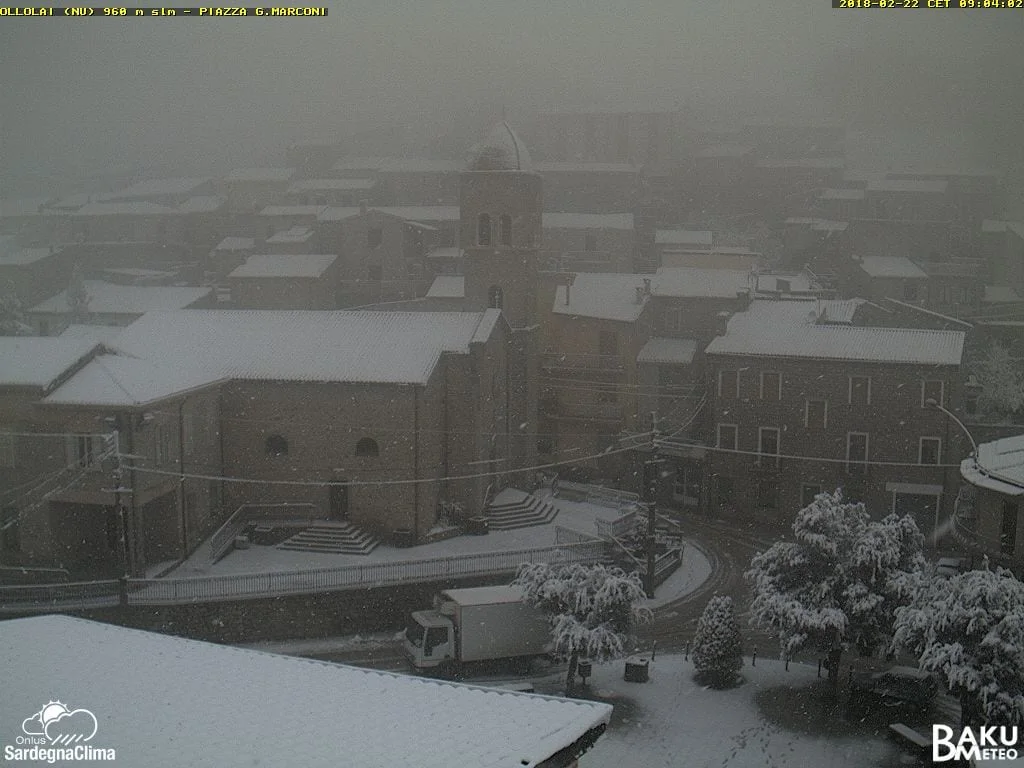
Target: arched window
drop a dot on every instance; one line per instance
(505, 227)
(367, 447)
(483, 229)
(276, 445)
(495, 297)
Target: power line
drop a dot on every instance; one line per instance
(413, 481)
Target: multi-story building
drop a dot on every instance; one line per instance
(801, 403)
(589, 242)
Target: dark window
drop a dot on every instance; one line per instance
(930, 450)
(727, 436)
(910, 291)
(860, 390)
(367, 447)
(495, 297)
(375, 272)
(590, 242)
(816, 414)
(276, 445)
(374, 237)
(483, 229)
(505, 225)
(932, 390)
(856, 450)
(807, 494)
(771, 386)
(608, 344)
(435, 636)
(729, 384)
(1008, 529)
(768, 493)
(768, 443)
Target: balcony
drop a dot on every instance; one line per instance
(581, 362)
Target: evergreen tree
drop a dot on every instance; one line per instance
(718, 647)
(12, 316)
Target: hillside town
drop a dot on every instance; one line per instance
(560, 446)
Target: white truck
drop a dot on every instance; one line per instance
(478, 624)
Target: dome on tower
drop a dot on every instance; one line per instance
(502, 150)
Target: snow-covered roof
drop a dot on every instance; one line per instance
(308, 265)
(206, 705)
(116, 380)
(328, 185)
(692, 282)
(789, 329)
(38, 361)
(406, 212)
(202, 204)
(157, 188)
(931, 187)
(810, 163)
(260, 175)
(891, 266)
(293, 210)
(418, 165)
(501, 150)
(236, 244)
(839, 310)
(701, 237)
(338, 346)
(1000, 294)
(665, 350)
(297, 234)
(842, 194)
(447, 287)
(129, 208)
(603, 295)
(586, 168)
(588, 221)
(787, 283)
(95, 334)
(999, 466)
(111, 298)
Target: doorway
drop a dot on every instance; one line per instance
(338, 505)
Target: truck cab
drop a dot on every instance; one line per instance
(429, 639)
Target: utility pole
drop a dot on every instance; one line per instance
(649, 497)
(119, 489)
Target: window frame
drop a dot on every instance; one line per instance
(735, 436)
(941, 400)
(778, 387)
(736, 393)
(807, 413)
(761, 454)
(860, 467)
(505, 230)
(849, 394)
(920, 451)
(272, 439)
(484, 230)
(370, 450)
(8, 449)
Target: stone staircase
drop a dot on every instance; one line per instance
(333, 538)
(512, 509)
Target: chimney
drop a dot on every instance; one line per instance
(640, 295)
(567, 287)
(722, 322)
(647, 286)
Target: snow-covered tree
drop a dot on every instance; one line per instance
(970, 629)
(1002, 382)
(718, 647)
(839, 582)
(592, 609)
(78, 296)
(12, 316)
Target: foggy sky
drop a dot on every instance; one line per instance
(180, 94)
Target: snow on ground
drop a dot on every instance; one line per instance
(672, 721)
(577, 516)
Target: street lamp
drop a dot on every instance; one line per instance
(931, 402)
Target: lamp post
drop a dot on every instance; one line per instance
(931, 402)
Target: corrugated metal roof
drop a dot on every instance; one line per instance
(38, 361)
(604, 296)
(999, 466)
(116, 380)
(789, 329)
(229, 707)
(112, 298)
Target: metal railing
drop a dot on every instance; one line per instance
(381, 574)
(247, 514)
(597, 494)
(52, 597)
(620, 526)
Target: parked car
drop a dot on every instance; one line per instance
(896, 687)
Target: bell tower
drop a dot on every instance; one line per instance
(501, 207)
